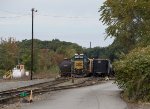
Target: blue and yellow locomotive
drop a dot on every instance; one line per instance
(80, 65)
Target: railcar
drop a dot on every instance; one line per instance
(65, 68)
(101, 67)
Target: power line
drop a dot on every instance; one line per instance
(59, 17)
(69, 17)
(46, 15)
(14, 13)
(19, 15)
(10, 17)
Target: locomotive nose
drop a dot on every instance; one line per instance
(78, 65)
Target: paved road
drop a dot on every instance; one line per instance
(103, 96)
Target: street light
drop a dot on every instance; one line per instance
(33, 10)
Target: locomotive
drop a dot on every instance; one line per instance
(81, 65)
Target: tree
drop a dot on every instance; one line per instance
(8, 53)
(44, 59)
(47, 54)
(127, 21)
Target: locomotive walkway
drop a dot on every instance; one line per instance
(4, 86)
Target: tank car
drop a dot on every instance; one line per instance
(65, 68)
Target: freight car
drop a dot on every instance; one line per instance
(65, 68)
(102, 67)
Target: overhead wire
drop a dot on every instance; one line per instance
(17, 15)
(71, 17)
(14, 13)
(5, 17)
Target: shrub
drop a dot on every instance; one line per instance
(133, 74)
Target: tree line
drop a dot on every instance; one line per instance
(47, 54)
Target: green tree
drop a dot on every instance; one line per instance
(128, 21)
(47, 54)
(44, 60)
(8, 53)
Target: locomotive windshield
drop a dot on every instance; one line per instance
(79, 57)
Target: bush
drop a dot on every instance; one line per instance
(133, 74)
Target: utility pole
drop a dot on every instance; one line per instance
(33, 10)
(90, 45)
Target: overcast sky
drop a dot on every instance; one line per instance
(68, 20)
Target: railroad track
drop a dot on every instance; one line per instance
(82, 83)
(55, 88)
(15, 93)
(5, 96)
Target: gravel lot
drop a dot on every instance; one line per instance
(16, 84)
